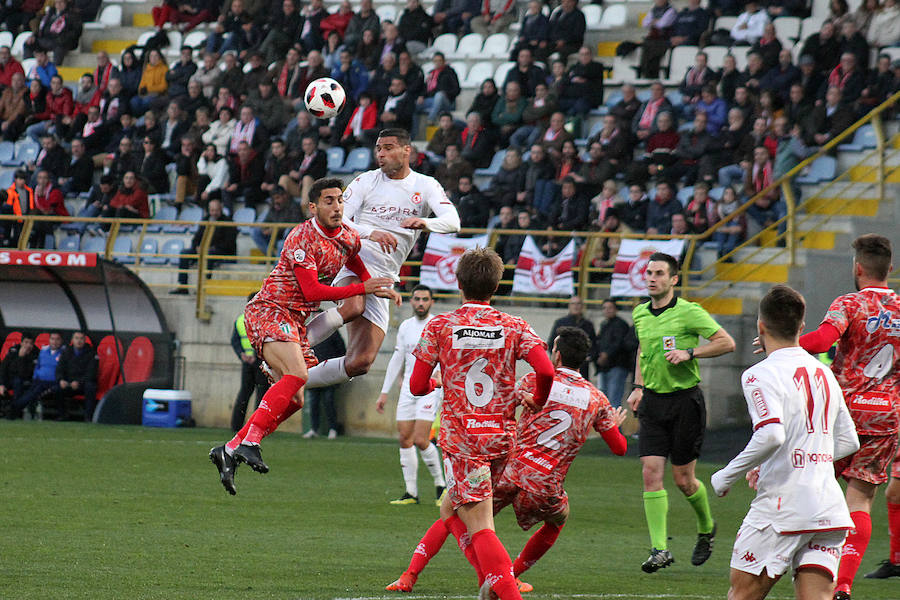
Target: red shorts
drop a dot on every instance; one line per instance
(267, 322)
(530, 508)
(471, 480)
(870, 462)
(895, 466)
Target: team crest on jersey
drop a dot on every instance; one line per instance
(299, 255)
(285, 327)
(416, 198)
(470, 338)
(668, 342)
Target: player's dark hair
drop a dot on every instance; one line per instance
(423, 288)
(323, 184)
(401, 134)
(873, 253)
(479, 272)
(782, 311)
(666, 258)
(573, 346)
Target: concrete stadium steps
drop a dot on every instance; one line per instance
(864, 171)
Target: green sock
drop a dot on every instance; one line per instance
(656, 506)
(700, 504)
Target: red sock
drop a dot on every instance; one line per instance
(461, 533)
(542, 540)
(275, 403)
(429, 546)
(894, 529)
(854, 550)
(238, 437)
(288, 412)
(494, 560)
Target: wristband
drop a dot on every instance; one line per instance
(691, 352)
(637, 386)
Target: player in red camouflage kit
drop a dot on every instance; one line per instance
(275, 318)
(866, 325)
(547, 442)
(477, 347)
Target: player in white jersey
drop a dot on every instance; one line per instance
(415, 414)
(801, 425)
(389, 207)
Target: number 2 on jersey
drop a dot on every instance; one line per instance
(547, 436)
(801, 380)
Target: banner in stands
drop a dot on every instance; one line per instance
(441, 255)
(631, 262)
(35, 258)
(537, 274)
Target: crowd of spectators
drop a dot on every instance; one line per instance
(232, 127)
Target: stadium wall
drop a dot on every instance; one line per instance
(212, 372)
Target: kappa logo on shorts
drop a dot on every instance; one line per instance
(748, 557)
(468, 338)
(299, 255)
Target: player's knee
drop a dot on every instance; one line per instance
(421, 441)
(359, 364)
(652, 477)
(892, 493)
(352, 308)
(687, 485)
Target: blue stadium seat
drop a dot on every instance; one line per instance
(150, 246)
(685, 194)
(595, 129)
(7, 152)
(494, 167)
(358, 160)
(174, 247)
(122, 248)
(335, 158)
(6, 178)
(70, 243)
(90, 243)
(246, 214)
(165, 213)
(49, 241)
(823, 168)
(716, 193)
(864, 138)
(26, 150)
(192, 214)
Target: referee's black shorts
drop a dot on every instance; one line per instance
(672, 425)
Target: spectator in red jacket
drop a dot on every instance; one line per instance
(129, 202)
(9, 66)
(60, 107)
(48, 201)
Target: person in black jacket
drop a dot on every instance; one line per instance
(613, 358)
(223, 243)
(80, 172)
(180, 73)
(245, 175)
(76, 374)
(571, 209)
(415, 26)
(16, 372)
(153, 167)
(584, 85)
(470, 204)
(441, 89)
(252, 376)
(309, 166)
(566, 29)
(399, 106)
(576, 318)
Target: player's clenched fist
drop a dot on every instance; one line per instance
(374, 284)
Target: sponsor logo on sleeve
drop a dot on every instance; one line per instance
(759, 402)
(469, 338)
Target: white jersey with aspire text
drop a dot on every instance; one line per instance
(408, 335)
(375, 202)
(797, 490)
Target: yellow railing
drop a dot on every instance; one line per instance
(704, 283)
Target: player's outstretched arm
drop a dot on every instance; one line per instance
(613, 437)
(446, 218)
(821, 339)
(314, 291)
(420, 382)
(543, 372)
(762, 445)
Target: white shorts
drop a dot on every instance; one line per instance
(377, 309)
(418, 408)
(757, 549)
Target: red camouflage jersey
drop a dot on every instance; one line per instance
(549, 440)
(868, 352)
(477, 347)
(307, 247)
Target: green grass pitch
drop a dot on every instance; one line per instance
(100, 512)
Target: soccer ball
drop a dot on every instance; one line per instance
(325, 98)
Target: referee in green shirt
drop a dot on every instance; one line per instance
(670, 405)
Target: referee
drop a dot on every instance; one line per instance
(670, 405)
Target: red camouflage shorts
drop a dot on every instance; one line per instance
(471, 480)
(870, 462)
(530, 508)
(267, 322)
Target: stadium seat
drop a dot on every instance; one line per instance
(496, 46)
(172, 249)
(811, 25)
(41, 340)
(386, 12)
(123, 248)
(502, 70)
(174, 47)
(191, 214)
(477, 74)
(614, 16)
(145, 37)
(18, 46)
(715, 55)
(892, 51)
(863, 138)
(138, 362)
(469, 47)
(685, 194)
(494, 167)
(716, 193)
(335, 158)
(740, 57)
(70, 243)
(681, 60)
(90, 243)
(822, 169)
(595, 129)
(6, 38)
(108, 373)
(358, 160)
(149, 246)
(787, 28)
(821, 8)
(26, 150)
(725, 23)
(7, 152)
(592, 14)
(246, 214)
(12, 338)
(110, 16)
(445, 43)
(6, 178)
(163, 213)
(195, 39)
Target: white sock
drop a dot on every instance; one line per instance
(409, 464)
(329, 372)
(432, 460)
(323, 325)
